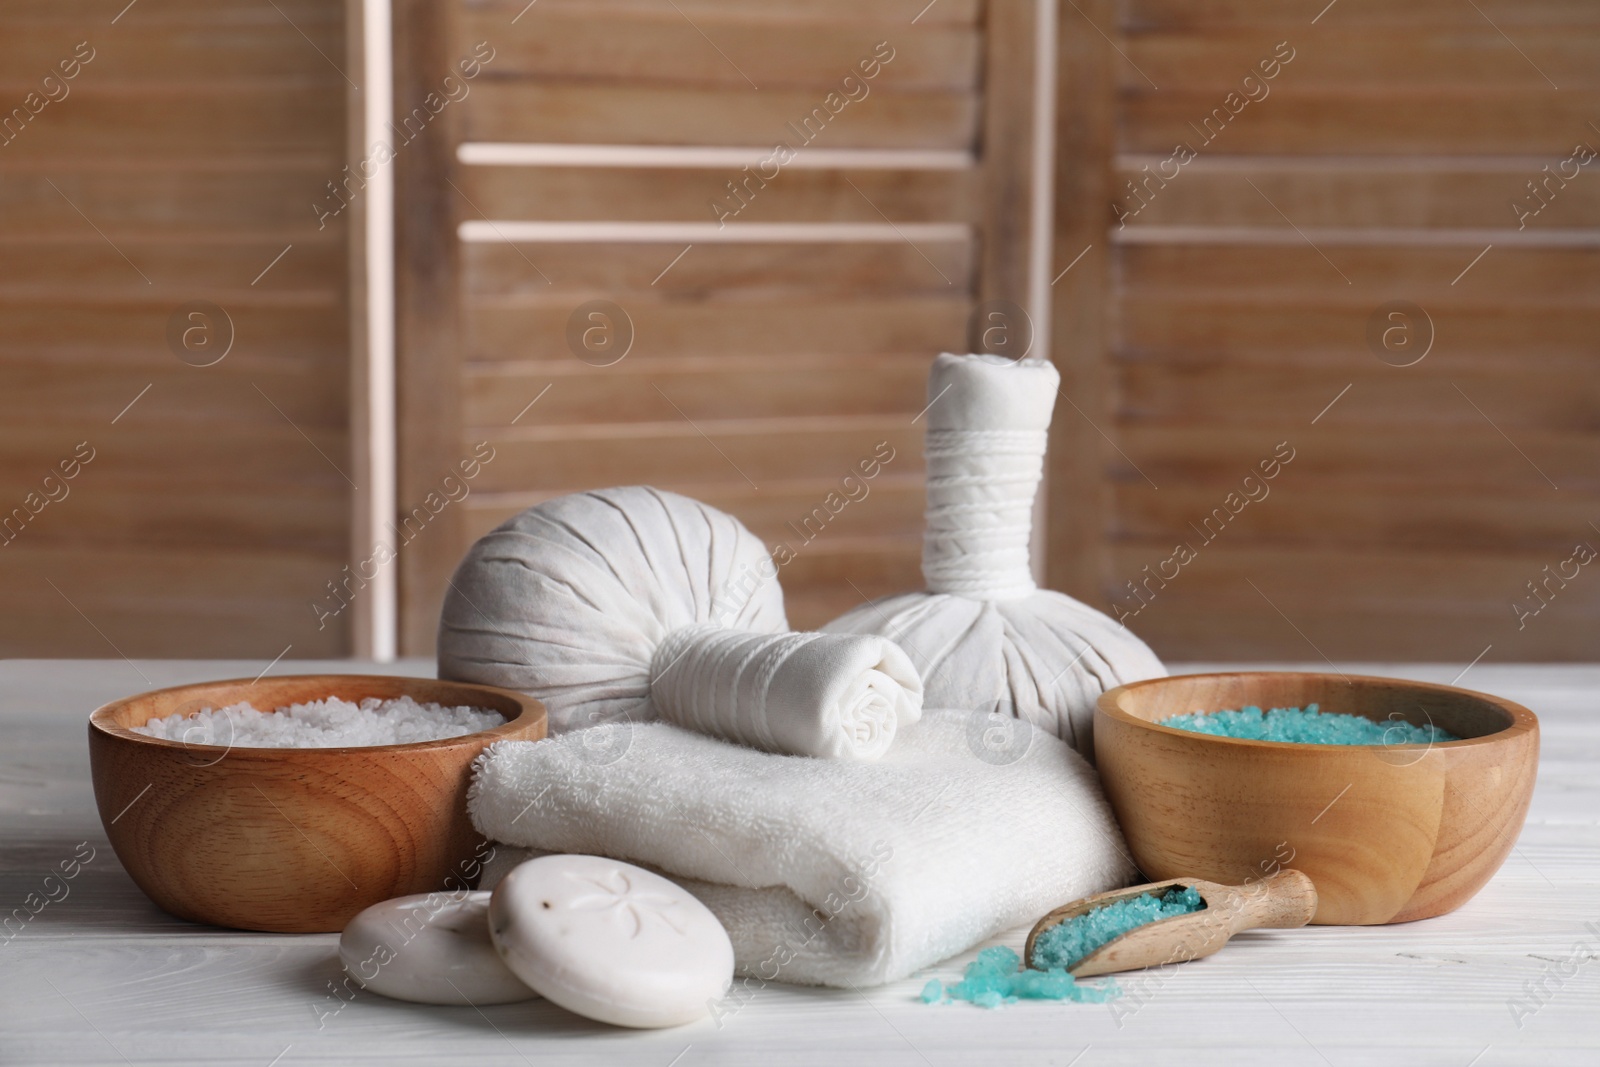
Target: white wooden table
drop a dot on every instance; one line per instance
(100, 976)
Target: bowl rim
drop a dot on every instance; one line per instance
(531, 708)
(1522, 720)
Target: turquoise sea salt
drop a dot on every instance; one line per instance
(1063, 945)
(1307, 726)
(997, 977)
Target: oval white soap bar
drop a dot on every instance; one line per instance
(611, 941)
(432, 948)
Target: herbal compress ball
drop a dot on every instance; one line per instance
(984, 636)
(635, 603)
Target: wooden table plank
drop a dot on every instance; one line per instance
(103, 977)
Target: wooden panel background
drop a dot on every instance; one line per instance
(1232, 312)
(184, 157)
(760, 373)
(1233, 309)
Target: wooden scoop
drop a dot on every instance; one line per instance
(1284, 901)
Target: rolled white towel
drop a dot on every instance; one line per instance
(839, 696)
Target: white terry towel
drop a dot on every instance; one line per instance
(634, 603)
(824, 872)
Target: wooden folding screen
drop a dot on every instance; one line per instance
(611, 274)
(156, 159)
(1280, 206)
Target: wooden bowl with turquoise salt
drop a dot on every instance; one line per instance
(1391, 831)
(292, 839)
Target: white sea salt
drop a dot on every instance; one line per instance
(331, 723)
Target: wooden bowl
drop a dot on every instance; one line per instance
(292, 840)
(1388, 833)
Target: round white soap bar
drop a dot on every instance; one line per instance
(432, 948)
(610, 940)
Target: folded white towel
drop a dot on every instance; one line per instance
(826, 872)
(841, 696)
(635, 603)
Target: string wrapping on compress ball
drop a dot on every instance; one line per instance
(841, 696)
(981, 485)
(985, 637)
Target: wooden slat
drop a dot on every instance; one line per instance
(80, 15)
(105, 511)
(604, 193)
(768, 327)
(749, 452)
(80, 272)
(1380, 397)
(174, 203)
(209, 604)
(664, 47)
(143, 49)
(1376, 517)
(1529, 121)
(215, 398)
(177, 121)
(262, 335)
(1357, 605)
(151, 458)
(1515, 276)
(707, 271)
(779, 17)
(525, 110)
(495, 394)
(1373, 196)
(1241, 323)
(1339, 57)
(1140, 15)
(1334, 459)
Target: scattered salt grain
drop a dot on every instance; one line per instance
(331, 723)
(1307, 726)
(997, 977)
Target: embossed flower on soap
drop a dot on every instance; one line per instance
(631, 906)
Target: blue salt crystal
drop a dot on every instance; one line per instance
(1063, 945)
(997, 977)
(1307, 726)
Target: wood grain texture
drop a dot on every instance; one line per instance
(179, 164)
(758, 375)
(427, 294)
(578, 113)
(722, 272)
(667, 47)
(1248, 291)
(294, 840)
(686, 194)
(1082, 327)
(1387, 833)
(151, 987)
